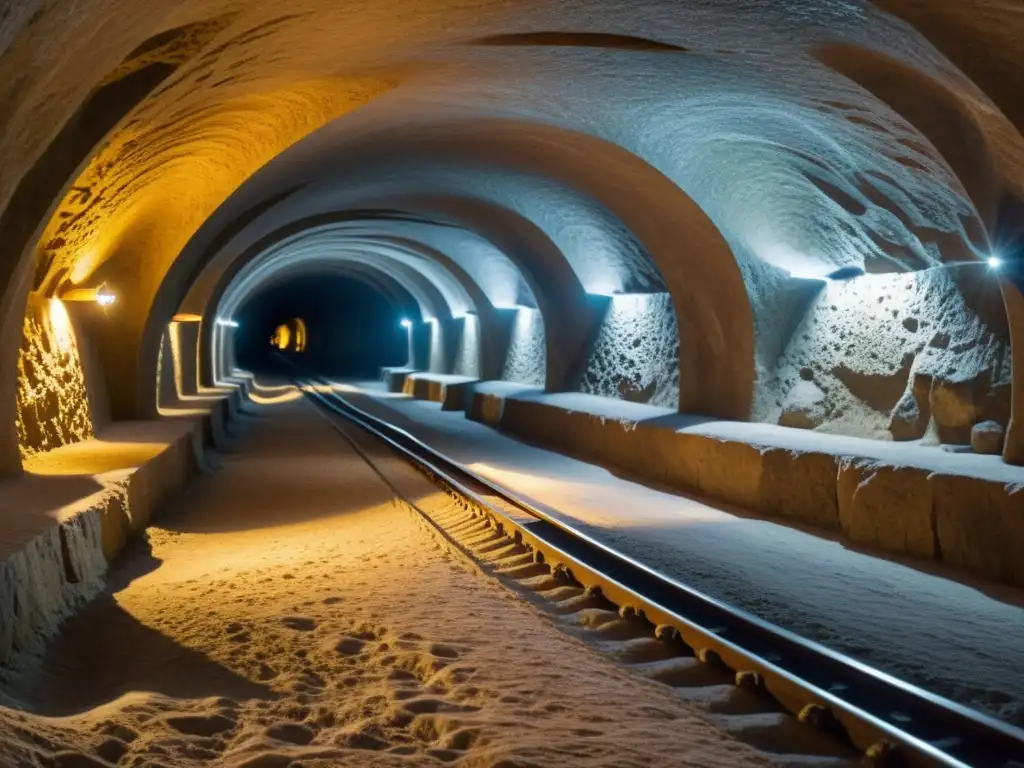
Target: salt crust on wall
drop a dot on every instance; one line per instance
(53, 406)
(467, 355)
(636, 354)
(526, 361)
(908, 345)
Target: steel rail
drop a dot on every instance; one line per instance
(893, 723)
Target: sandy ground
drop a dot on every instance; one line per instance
(290, 612)
(948, 637)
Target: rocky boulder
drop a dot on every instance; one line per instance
(987, 437)
(804, 406)
(956, 406)
(909, 419)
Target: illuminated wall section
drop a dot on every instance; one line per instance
(467, 356)
(526, 361)
(52, 402)
(920, 355)
(636, 354)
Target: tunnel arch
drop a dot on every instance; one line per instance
(570, 112)
(216, 343)
(724, 384)
(205, 294)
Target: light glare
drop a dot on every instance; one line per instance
(994, 262)
(406, 323)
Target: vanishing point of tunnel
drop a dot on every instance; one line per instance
(731, 287)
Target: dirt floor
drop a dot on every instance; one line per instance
(291, 612)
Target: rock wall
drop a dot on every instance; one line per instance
(636, 354)
(526, 360)
(52, 402)
(467, 354)
(922, 355)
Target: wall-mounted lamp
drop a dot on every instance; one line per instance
(995, 262)
(406, 323)
(102, 295)
(227, 323)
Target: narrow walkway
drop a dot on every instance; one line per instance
(290, 609)
(945, 636)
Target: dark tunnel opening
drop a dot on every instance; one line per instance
(348, 330)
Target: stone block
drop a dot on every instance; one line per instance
(486, 408)
(980, 526)
(800, 486)
(955, 410)
(886, 507)
(987, 438)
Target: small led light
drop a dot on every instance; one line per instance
(406, 323)
(105, 298)
(994, 262)
(227, 323)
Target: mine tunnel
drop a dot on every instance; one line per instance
(511, 384)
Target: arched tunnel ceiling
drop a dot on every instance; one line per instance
(436, 292)
(687, 144)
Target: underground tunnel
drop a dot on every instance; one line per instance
(330, 325)
(730, 290)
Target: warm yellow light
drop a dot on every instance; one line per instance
(102, 295)
(282, 337)
(187, 318)
(300, 335)
(60, 322)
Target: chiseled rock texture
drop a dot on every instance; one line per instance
(916, 356)
(636, 354)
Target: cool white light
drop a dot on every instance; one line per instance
(406, 323)
(227, 323)
(994, 262)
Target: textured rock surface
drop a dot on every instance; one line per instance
(804, 406)
(892, 352)
(467, 356)
(526, 360)
(53, 405)
(886, 507)
(636, 354)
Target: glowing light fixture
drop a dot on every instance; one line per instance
(102, 295)
(227, 323)
(995, 262)
(406, 323)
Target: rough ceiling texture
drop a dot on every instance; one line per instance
(494, 154)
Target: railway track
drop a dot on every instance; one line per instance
(797, 700)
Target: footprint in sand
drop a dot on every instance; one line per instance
(444, 651)
(350, 646)
(200, 725)
(293, 733)
(299, 623)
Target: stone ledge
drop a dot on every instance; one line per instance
(963, 510)
(452, 392)
(73, 511)
(394, 377)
